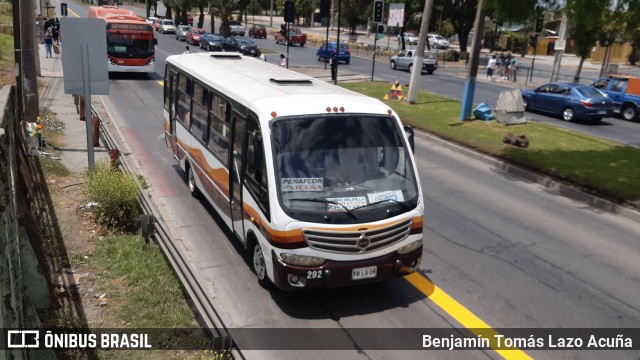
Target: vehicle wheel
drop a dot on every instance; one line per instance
(629, 112)
(319, 57)
(567, 114)
(430, 72)
(410, 68)
(259, 266)
(193, 188)
(347, 62)
(301, 44)
(393, 65)
(177, 38)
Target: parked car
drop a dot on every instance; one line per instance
(258, 31)
(211, 42)
(324, 53)
(409, 38)
(569, 100)
(181, 32)
(194, 35)
(438, 42)
(404, 60)
(236, 28)
(242, 45)
(625, 94)
(167, 26)
(156, 24)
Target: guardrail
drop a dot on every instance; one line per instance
(154, 226)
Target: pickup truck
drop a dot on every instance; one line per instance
(625, 93)
(236, 28)
(295, 37)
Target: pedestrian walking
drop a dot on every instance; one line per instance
(491, 65)
(56, 35)
(283, 61)
(187, 50)
(48, 42)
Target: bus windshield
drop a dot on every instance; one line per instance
(134, 46)
(349, 168)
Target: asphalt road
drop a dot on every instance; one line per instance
(507, 251)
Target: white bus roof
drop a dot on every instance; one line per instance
(264, 87)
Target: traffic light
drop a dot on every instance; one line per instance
(289, 11)
(378, 6)
(533, 41)
(539, 19)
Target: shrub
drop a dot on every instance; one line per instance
(116, 195)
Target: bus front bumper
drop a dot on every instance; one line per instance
(344, 273)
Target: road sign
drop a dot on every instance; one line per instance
(559, 45)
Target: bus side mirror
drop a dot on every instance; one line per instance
(410, 135)
(155, 41)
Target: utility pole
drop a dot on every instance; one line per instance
(470, 83)
(558, 55)
(419, 53)
(24, 43)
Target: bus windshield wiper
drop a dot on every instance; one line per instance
(325, 201)
(403, 204)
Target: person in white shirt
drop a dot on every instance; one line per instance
(187, 50)
(283, 61)
(491, 65)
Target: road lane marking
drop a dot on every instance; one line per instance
(461, 314)
(73, 13)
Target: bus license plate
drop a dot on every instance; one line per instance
(364, 273)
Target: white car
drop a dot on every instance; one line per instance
(151, 19)
(409, 38)
(167, 26)
(437, 41)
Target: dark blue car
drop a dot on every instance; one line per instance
(343, 56)
(568, 100)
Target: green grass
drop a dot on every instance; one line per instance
(142, 285)
(605, 167)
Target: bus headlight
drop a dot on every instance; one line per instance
(302, 260)
(410, 247)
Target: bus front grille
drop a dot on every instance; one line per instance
(357, 242)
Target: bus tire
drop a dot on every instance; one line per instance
(191, 180)
(258, 265)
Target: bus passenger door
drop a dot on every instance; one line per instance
(236, 177)
(173, 86)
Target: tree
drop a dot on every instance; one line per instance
(631, 30)
(356, 12)
(585, 18)
(254, 8)
(224, 9)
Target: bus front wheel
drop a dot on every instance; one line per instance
(260, 266)
(193, 188)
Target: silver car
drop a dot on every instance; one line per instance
(167, 26)
(437, 41)
(181, 32)
(404, 60)
(409, 38)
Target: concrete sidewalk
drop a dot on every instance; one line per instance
(73, 150)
